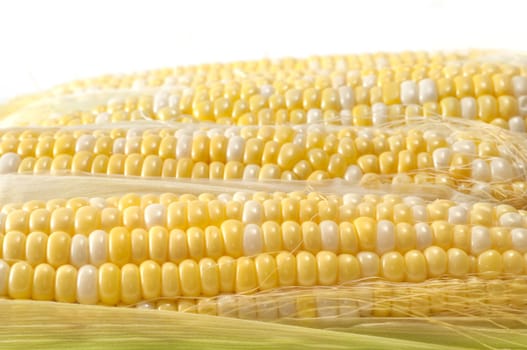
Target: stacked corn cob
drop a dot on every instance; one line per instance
(424, 216)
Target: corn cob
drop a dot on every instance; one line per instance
(466, 162)
(230, 255)
(360, 90)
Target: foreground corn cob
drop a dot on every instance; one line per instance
(411, 204)
(212, 253)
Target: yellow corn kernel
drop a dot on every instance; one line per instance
(232, 232)
(58, 247)
(43, 282)
(246, 279)
(109, 284)
(20, 280)
(209, 275)
(366, 232)
(131, 284)
(150, 279)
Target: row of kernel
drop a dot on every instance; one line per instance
(123, 245)
(371, 91)
(248, 144)
(111, 285)
(318, 166)
(376, 109)
(82, 215)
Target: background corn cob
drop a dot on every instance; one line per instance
(305, 257)
(362, 90)
(488, 164)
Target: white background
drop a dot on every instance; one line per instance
(43, 43)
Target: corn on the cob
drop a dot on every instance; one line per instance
(360, 90)
(176, 211)
(185, 252)
(469, 163)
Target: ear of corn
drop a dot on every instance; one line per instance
(327, 192)
(489, 165)
(362, 90)
(164, 250)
